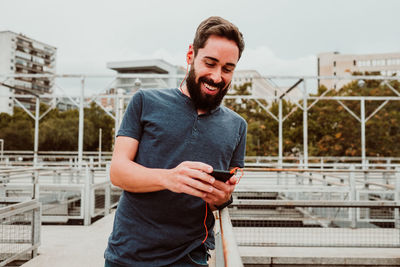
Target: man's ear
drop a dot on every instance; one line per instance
(190, 55)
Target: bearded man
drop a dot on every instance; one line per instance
(169, 142)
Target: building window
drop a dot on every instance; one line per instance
(11, 68)
(334, 74)
(334, 63)
(354, 63)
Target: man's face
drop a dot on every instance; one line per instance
(211, 72)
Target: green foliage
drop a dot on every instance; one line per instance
(332, 130)
(58, 130)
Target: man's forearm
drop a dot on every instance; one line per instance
(133, 177)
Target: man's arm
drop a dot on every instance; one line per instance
(188, 177)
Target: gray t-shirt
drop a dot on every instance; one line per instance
(158, 228)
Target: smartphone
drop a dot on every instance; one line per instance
(222, 176)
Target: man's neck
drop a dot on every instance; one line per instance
(185, 91)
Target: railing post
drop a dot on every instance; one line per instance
(366, 176)
(353, 197)
(36, 229)
(35, 184)
(86, 215)
(397, 199)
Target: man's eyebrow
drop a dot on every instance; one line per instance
(216, 60)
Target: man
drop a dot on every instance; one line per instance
(169, 142)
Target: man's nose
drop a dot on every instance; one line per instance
(216, 75)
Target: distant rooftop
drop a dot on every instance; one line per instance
(155, 66)
(28, 38)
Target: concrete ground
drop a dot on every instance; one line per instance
(83, 246)
(77, 246)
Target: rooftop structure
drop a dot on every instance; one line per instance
(336, 64)
(23, 55)
(150, 66)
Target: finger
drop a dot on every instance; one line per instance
(222, 186)
(192, 191)
(218, 195)
(233, 180)
(197, 174)
(198, 166)
(205, 187)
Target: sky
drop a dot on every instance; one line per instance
(283, 37)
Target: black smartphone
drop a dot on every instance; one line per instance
(222, 176)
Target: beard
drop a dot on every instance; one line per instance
(202, 100)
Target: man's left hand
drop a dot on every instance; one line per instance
(222, 192)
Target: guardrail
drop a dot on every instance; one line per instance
(277, 207)
(65, 193)
(226, 249)
(20, 228)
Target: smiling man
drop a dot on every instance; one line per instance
(169, 142)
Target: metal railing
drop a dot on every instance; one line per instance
(318, 208)
(65, 193)
(20, 228)
(226, 248)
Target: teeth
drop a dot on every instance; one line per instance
(209, 87)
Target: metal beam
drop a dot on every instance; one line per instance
(81, 118)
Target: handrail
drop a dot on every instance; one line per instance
(229, 245)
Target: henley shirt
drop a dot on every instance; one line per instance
(158, 228)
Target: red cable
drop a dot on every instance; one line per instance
(205, 217)
(205, 225)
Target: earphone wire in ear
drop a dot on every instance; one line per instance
(187, 71)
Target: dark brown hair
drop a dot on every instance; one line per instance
(219, 27)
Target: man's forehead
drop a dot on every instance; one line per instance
(220, 49)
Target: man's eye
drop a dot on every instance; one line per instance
(227, 70)
(210, 64)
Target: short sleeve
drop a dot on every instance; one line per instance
(131, 124)
(240, 151)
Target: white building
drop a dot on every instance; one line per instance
(151, 66)
(336, 64)
(261, 87)
(22, 55)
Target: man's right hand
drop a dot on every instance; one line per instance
(190, 177)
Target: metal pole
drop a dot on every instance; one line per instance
(305, 126)
(116, 104)
(100, 132)
(36, 142)
(81, 118)
(280, 121)
(397, 199)
(353, 197)
(1, 149)
(362, 115)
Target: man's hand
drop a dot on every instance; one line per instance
(191, 178)
(222, 192)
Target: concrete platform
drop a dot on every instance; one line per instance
(319, 256)
(78, 246)
(83, 246)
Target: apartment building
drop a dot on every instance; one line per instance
(20, 54)
(342, 65)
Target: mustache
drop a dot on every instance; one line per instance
(219, 85)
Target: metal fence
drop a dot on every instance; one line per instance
(65, 193)
(226, 248)
(315, 208)
(19, 230)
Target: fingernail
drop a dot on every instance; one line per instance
(210, 189)
(212, 179)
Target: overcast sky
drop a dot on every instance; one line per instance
(282, 37)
